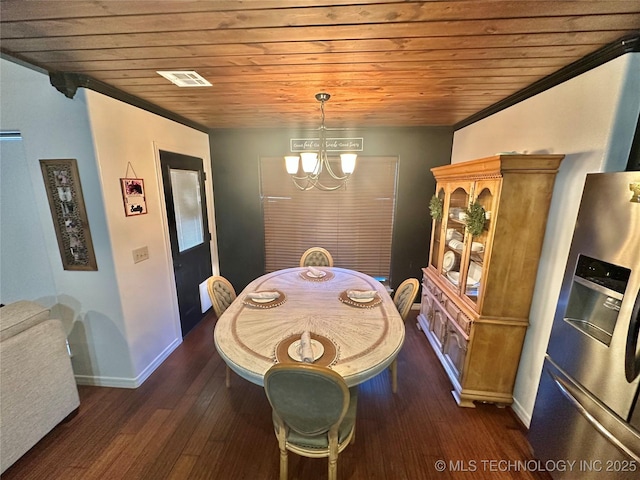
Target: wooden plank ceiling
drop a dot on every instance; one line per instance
(385, 63)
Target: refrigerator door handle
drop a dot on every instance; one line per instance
(565, 390)
(631, 358)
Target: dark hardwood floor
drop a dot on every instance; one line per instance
(183, 423)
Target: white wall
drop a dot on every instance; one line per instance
(127, 139)
(591, 119)
(23, 253)
(122, 320)
(54, 126)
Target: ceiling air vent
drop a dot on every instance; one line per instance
(185, 79)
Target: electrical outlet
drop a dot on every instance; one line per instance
(140, 254)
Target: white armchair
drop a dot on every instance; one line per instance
(37, 386)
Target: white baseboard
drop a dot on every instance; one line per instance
(415, 306)
(122, 382)
(523, 415)
(116, 382)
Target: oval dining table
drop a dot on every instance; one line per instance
(357, 340)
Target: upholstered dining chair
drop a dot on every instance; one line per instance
(316, 257)
(222, 294)
(403, 298)
(314, 412)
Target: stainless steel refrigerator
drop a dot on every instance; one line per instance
(587, 410)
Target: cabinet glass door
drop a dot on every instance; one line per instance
(484, 195)
(436, 234)
(454, 231)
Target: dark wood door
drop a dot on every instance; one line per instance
(185, 201)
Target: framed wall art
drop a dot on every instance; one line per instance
(133, 196)
(70, 222)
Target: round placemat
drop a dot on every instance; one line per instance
(373, 303)
(276, 302)
(329, 357)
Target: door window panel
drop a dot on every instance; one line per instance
(188, 208)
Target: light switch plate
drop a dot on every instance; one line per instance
(140, 254)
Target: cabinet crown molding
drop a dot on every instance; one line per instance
(499, 165)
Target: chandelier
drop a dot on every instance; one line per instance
(314, 163)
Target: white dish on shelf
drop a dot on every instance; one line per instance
(448, 261)
(453, 234)
(477, 247)
(454, 277)
(454, 212)
(456, 244)
(475, 271)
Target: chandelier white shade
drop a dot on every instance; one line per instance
(291, 162)
(348, 161)
(314, 163)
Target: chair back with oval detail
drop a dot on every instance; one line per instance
(221, 293)
(316, 257)
(405, 296)
(314, 412)
(403, 299)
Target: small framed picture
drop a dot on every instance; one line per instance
(133, 196)
(70, 222)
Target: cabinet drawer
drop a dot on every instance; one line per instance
(457, 316)
(464, 322)
(439, 296)
(452, 309)
(427, 286)
(455, 350)
(431, 287)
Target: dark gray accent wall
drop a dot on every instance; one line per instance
(235, 158)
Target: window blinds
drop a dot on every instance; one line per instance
(355, 224)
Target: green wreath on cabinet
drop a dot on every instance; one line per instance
(435, 207)
(475, 219)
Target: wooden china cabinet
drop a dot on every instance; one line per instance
(477, 290)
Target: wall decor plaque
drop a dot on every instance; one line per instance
(62, 183)
(133, 196)
(332, 144)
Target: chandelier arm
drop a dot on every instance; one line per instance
(315, 183)
(323, 157)
(306, 177)
(309, 185)
(320, 186)
(336, 177)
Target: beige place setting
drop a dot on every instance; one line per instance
(360, 298)
(265, 299)
(315, 274)
(305, 350)
(307, 347)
